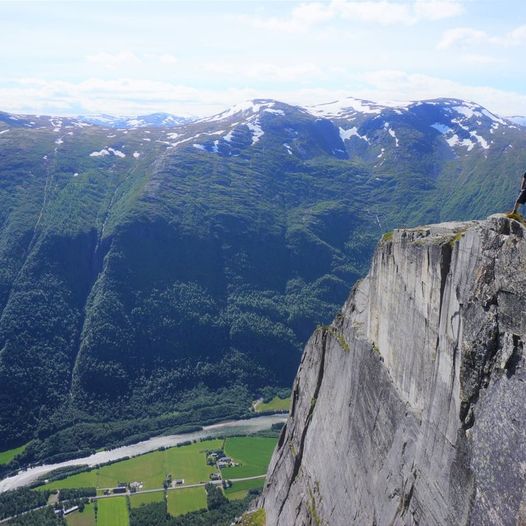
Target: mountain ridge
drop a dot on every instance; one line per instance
(164, 267)
(331, 108)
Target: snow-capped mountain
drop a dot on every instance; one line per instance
(351, 128)
(162, 120)
(518, 119)
(346, 129)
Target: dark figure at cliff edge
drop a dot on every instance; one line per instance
(522, 196)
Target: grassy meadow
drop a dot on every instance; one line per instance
(85, 518)
(252, 453)
(181, 501)
(186, 462)
(145, 498)
(276, 404)
(10, 454)
(112, 512)
(239, 490)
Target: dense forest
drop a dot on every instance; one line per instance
(142, 293)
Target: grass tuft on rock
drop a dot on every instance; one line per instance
(254, 518)
(517, 216)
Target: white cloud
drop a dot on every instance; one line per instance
(113, 60)
(122, 59)
(168, 59)
(117, 97)
(437, 10)
(133, 97)
(301, 18)
(462, 36)
(264, 71)
(387, 12)
(476, 58)
(516, 37)
(468, 37)
(383, 12)
(400, 85)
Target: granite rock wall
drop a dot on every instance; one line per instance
(410, 408)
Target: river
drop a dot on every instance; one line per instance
(230, 427)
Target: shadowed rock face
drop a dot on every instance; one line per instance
(410, 407)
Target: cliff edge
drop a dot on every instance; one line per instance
(410, 408)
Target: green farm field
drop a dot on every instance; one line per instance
(239, 490)
(112, 512)
(252, 453)
(186, 462)
(276, 404)
(86, 518)
(181, 501)
(10, 454)
(146, 498)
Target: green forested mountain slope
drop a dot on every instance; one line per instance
(175, 271)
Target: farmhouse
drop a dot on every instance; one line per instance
(135, 486)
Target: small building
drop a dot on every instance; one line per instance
(215, 476)
(120, 489)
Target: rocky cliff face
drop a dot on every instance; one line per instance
(410, 407)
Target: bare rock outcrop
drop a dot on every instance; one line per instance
(410, 408)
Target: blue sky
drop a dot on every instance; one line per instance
(196, 57)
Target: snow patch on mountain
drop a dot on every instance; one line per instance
(455, 140)
(518, 119)
(248, 106)
(108, 151)
(340, 108)
(154, 120)
(275, 112)
(392, 133)
(471, 110)
(480, 140)
(442, 128)
(117, 153)
(257, 131)
(229, 135)
(346, 134)
(100, 153)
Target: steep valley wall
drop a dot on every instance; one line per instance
(410, 408)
